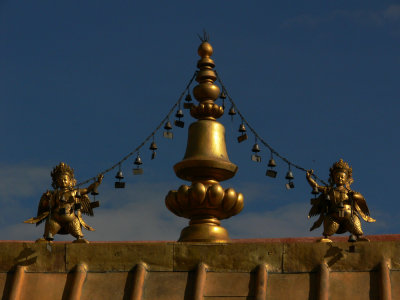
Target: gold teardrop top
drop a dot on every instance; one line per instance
(205, 49)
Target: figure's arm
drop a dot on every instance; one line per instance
(357, 196)
(313, 183)
(93, 186)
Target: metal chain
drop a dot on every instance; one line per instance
(166, 118)
(258, 137)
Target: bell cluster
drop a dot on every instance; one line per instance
(167, 133)
(271, 171)
(137, 169)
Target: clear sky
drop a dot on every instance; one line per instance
(85, 82)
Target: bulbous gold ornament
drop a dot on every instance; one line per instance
(215, 194)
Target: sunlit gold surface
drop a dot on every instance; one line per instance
(205, 163)
(206, 155)
(208, 202)
(62, 207)
(338, 206)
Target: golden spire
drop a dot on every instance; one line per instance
(205, 163)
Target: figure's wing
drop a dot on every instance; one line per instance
(86, 208)
(318, 208)
(43, 209)
(83, 223)
(361, 207)
(44, 203)
(318, 222)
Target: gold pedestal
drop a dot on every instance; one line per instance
(205, 204)
(204, 232)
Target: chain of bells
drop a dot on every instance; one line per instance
(270, 172)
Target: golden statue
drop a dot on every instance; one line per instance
(62, 207)
(338, 205)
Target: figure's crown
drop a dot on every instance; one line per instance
(341, 166)
(61, 168)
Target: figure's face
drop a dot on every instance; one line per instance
(64, 181)
(340, 178)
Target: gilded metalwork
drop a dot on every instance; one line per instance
(338, 206)
(205, 163)
(62, 208)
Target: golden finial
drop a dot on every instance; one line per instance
(206, 92)
(205, 163)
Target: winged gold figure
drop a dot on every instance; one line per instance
(62, 208)
(338, 206)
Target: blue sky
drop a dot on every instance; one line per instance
(85, 83)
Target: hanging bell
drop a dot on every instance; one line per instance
(272, 163)
(138, 162)
(188, 104)
(153, 147)
(232, 111)
(94, 192)
(119, 184)
(119, 175)
(179, 115)
(168, 134)
(255, 157)
(168, 126)
(243, 136)
(223, 95)
(188, 98)
(256, 148)
(289, 175)
(50, 238)
(352, 239)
